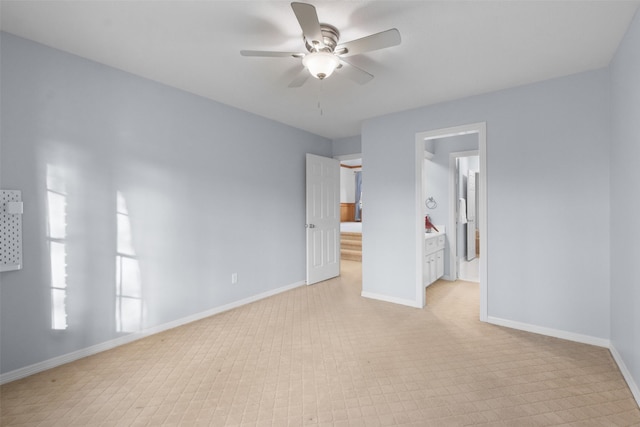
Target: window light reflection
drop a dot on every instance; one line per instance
(56, 236)
(129, 303)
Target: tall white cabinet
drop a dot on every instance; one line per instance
(433, 268)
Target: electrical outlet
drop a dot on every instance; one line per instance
(234, 278)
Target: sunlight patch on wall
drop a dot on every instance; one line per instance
(56, 236)
(129, 303)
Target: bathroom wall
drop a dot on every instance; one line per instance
(437, 171)
(436, 183)
(179, 190)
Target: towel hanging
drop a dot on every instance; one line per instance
(462, 211)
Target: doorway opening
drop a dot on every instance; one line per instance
(453, 203)
(351, 208)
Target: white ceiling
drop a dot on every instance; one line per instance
(449, 50)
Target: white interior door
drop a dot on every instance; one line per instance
(471, 215)
(323, 218)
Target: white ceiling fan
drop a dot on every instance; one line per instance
(324, 52)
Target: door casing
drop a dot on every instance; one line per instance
(481, 129)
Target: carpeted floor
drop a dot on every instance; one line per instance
(323, 355)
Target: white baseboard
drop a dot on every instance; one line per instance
(447, 278)
(585, 339)
(635, 390)
(386, 298)
(107, 345)
(556, 333)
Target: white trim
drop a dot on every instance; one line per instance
(571, 336)
(635, 390)
(452, 229)
(107, 345)
(419, 223)
(483, 209)
(385, 298)
(355, 156)
(481, 129)
(556, 333)
(429, 284)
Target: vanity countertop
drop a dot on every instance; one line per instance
(433, 234)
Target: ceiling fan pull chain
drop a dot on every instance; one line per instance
(320, 99)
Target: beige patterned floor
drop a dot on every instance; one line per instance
(322, 355)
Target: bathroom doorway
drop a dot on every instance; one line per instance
(450, 201)
(425, 141)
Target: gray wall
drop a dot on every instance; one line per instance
(625, 204)
(541, 206)
(210, 191)
(345, 146)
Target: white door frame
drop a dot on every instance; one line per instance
(481, 129)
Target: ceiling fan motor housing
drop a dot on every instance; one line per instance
(330, 37)
(324, 55)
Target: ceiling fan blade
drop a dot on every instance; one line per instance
(300, 79)
(354, 73)
(308, 20)
(270, 54)
(367, 44)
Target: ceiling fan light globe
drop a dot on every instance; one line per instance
(320, 64)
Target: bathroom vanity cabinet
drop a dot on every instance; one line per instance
(433, 268)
